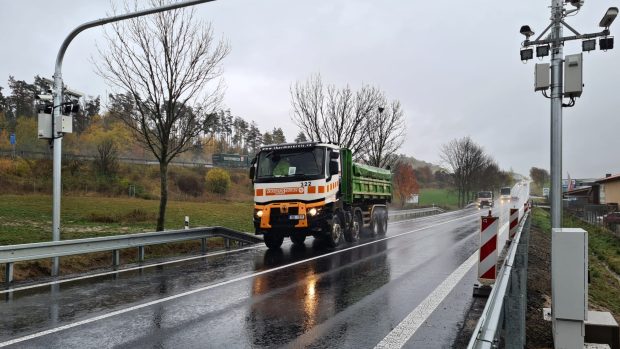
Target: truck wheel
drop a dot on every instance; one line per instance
(333, 236)
(273, 241)
(298, 239)
(353, 235)
(375, 223)
(383, 222)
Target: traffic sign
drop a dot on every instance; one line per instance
(12, 138)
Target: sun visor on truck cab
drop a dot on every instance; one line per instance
(361, 170)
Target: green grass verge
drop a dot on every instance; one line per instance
(439, 197)
(604, 251)
(27, 218)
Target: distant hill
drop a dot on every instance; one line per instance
(417, 164)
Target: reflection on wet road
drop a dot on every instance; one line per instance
(308, 296)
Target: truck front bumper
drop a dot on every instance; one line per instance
(289, 216)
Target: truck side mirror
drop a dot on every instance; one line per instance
(334, 155)
(252, 171)
(333, 168)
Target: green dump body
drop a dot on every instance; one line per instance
(362, 182)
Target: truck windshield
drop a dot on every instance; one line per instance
(291, 163)
(505, 191)
(484, 194)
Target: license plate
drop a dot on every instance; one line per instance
(297, 216)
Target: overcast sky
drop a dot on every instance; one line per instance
(454, 65)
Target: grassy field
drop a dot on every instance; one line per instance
(27, 218)
(439, 197)
(604, 261)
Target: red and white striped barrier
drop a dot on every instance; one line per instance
(514, 222)
(487, 259)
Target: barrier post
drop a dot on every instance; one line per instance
(514, 223)
(487, 257)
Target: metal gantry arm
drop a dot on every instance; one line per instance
(567, 38)
(57, 113)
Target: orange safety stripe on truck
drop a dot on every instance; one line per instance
(259, 192)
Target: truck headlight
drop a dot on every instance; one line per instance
(313, 211)
(259, 213)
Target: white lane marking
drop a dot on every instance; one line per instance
(57, 282)
(424, 218)
(205, 288)
(399, 336)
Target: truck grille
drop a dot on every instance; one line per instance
(279, 219)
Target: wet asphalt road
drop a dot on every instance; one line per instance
(296, 297)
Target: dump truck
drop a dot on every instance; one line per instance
(484, 198)
(315, 189)
(505, 194)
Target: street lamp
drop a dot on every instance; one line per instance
(588, 45)
(527, 54)
(58, 102)
(609, 17)
(606, 43)
(542, 51)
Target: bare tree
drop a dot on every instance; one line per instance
(329, 114)
(106, 160)
(386, 135)
(166, 62)
(467, 161)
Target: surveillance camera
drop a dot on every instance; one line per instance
(609, 17)
(527, 31)
(576, 3)
(44, 97)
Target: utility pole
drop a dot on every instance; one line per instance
(58, 101)
(557, 8)
(569, 247)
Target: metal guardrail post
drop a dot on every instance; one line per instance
(116, 258)
(141, 254)
(203, 245)
(8, 273)
(227, 243)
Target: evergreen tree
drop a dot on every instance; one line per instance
(21, 99)
(301, 137)
(268, 138)
(277, 136)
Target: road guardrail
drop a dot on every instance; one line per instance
(505, 310)
(49, 249)
(416, 212)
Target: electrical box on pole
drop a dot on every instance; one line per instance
(569, 286)
(542, 74)
(45, 126)
(573, 75)
(67, 124)
(44, 129)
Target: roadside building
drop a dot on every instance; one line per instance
(584, 195)
(603, 191)
(609, 188)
